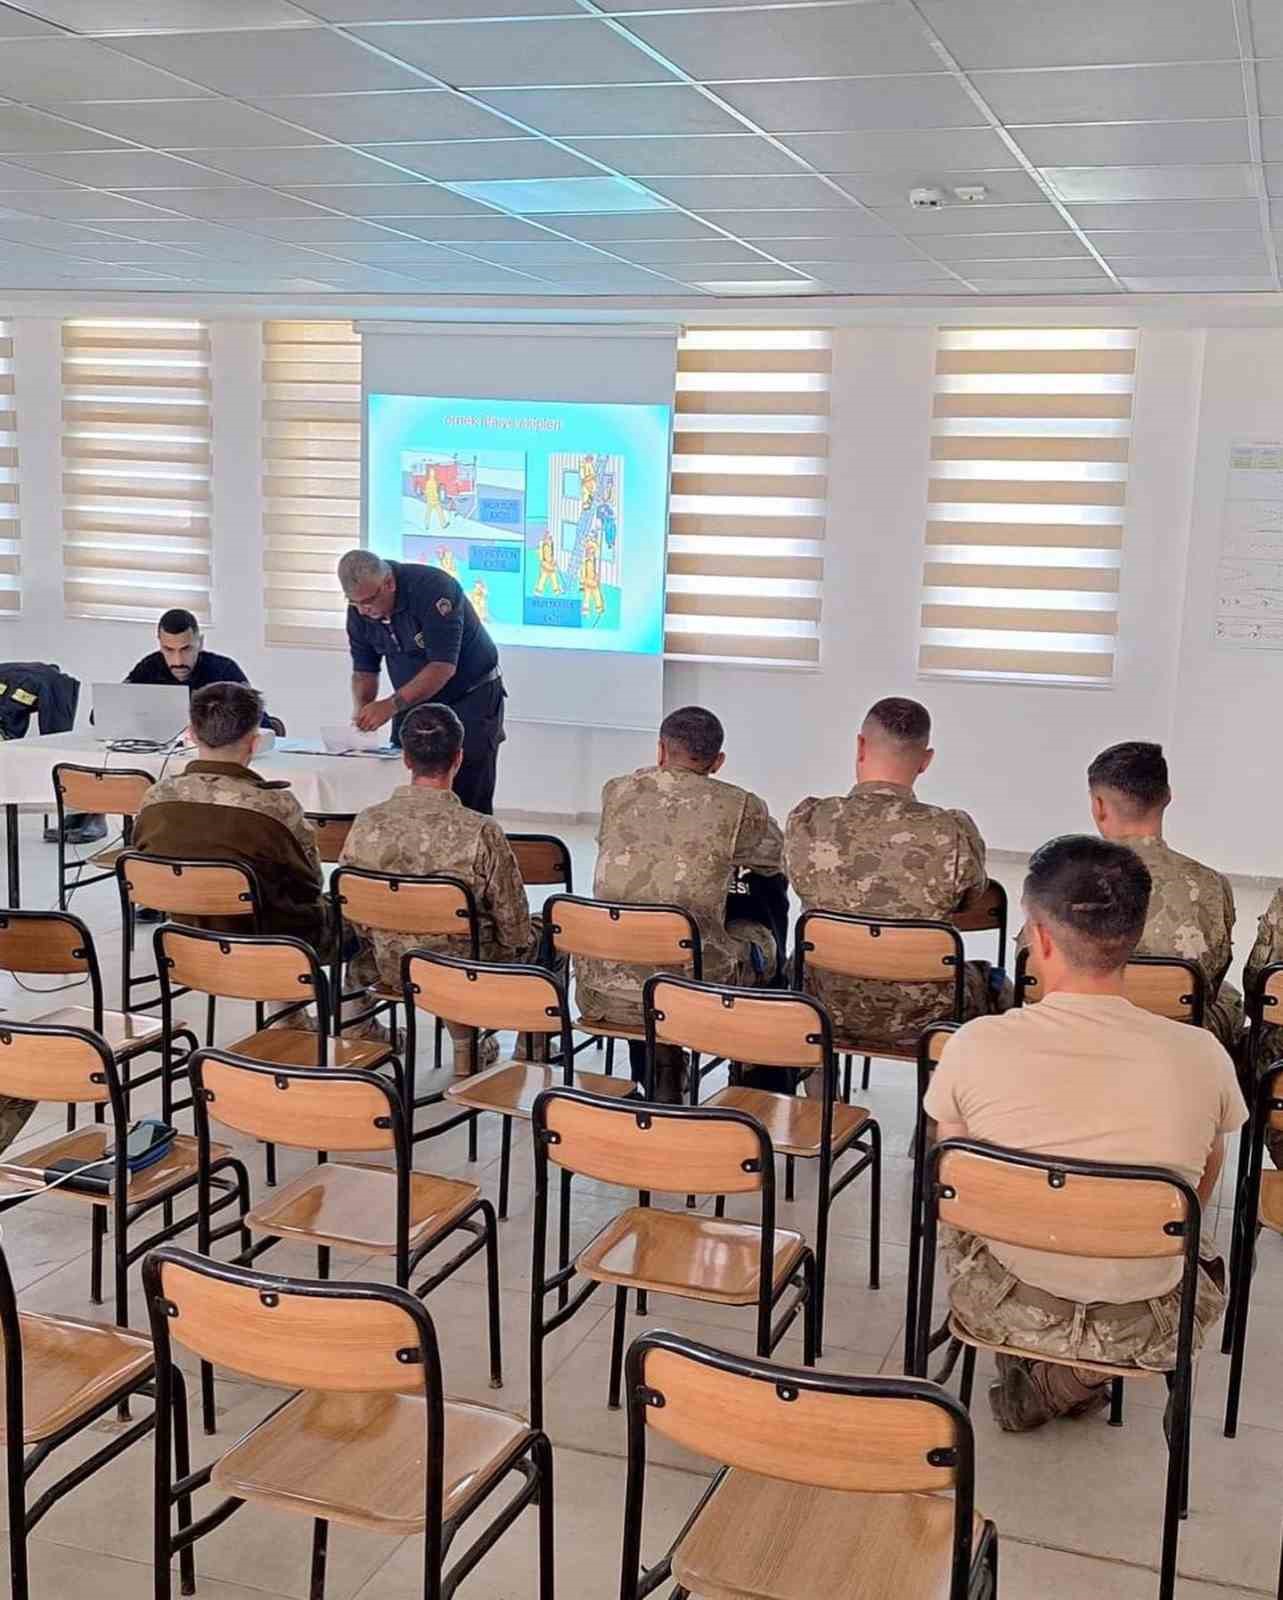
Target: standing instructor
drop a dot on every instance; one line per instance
(419, 620)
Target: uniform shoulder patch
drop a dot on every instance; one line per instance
(444, 607)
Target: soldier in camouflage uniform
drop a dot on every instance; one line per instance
(1191, 908)
(880, 850)
(1269, 1050)
(425, 828)
(676, 834)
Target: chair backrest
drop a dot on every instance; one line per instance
(1169, 986)
(45, 942)
(477, 994)
(347, 1338)
(240, 966)
(874, 1435)
(644, 935)
(765, 1028)
(987, 910)
(116, 792)
(1071, 1208)
(432, 905)
(188, 888)
(544, 859)
(304, 1108)
(332, 829)
(68, 1065)
(670, 1149)
(880, 949)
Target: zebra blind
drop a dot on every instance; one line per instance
(749, 495)
(135, 467)
(1031, 429)
(10, 527)
(311, 476)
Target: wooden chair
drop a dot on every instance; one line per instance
(332, 829)
(73, 1065)
(544, 860)
(1169, 986)
(930, 1049)
(649, 937)
(985, 913)
(826, 1485)
(772, 1028)
(700, 1150)
(1074, 1208)
(368, 1440)
(100, 791)
(527, 1000)
(62, 1377)
(346, 1205)
(885, 950)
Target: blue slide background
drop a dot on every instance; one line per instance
(640, 434)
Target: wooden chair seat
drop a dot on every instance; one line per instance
(512, 1087)
(26, 1169)
(679, 1252)
(1271, 1212)
(793, 1121)
(608, 1030)
(106, 859)
(70, 1367)
(347, 1458)
(354, 1206)
(295, 1047)
(764, 1537)
(127, 1033)
(1102, 1367)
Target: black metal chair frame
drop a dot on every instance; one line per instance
(484, 1233)
(534, 1464)
(567, 879)
(1196, 998)
(973, 1570)
(999, 923)
(919, 1153)
(875, 924)
(1180, 1380)
(67, 884)
(869, 1156)
(769, 1332)
(21, 1464)
(1250, 1076)
(1264, 1102)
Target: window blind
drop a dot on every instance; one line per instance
(1031, 429)
(135, 467)
(311, 476)
(749, 495)
(10, 550)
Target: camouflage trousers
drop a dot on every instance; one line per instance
(1224, 1017)
(14, 1116)
(995, 1307)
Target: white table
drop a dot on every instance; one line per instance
(323, 785)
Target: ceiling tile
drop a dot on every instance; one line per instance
(563, 50)
(466, 160)
(398, 253)
(640, 225)
(1272, 138)
(1274, 179)
(189, 232)
(265, 61)
(903, 273)
(13, 176)
(728, 154)
(1006, 246)
(837, 105)
(41, 231)
(943, 150)
(45, 71)
(438, 10)
(1164, 214)
(394, 114)
(796, 42)
(750, 193)
(1013, 33)
(323, 230)
(16, 24)
(660, 252)
(96, 16)
(22, 130)
(1040, 287)
(891, 188)
(1116, 94)
(189, 125)
(974, 219)
(741, 272)
(545, 253)
(1269, 82)
(1231, 244)
(290, 168)
(78, 205)
(782, 224)
(1211, 284)
(636, 109)
(1060, 270)
(469, 230)
(1121, 144)
(867, 253)
(422, 199)
(1095, 184)
(245, 203)
(529, 196)
(614, 279)
(876, 285)
(125, 169)
(1267, 27)
(1174, 266)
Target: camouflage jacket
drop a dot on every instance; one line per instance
(419, 830)
(676, 837)
(1191, 911)
(879, 849)
(1267, 950)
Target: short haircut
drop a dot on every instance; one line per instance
(695, 731)
(358, 567)
(431, 737)
(1095, 895)
(177, 620)
(223, 713)
(903, 721)
(1137, 771)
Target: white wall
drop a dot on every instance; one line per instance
(1013, 755)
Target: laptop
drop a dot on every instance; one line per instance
(151, 713)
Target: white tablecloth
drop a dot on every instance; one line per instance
(321, 783)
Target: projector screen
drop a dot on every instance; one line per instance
(533, 461)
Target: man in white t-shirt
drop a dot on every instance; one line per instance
(1082, 1074)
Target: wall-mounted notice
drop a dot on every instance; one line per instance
(1249, 578)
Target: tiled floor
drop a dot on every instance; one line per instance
(1077, 1504)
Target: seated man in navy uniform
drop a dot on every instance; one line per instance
(418, 620)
